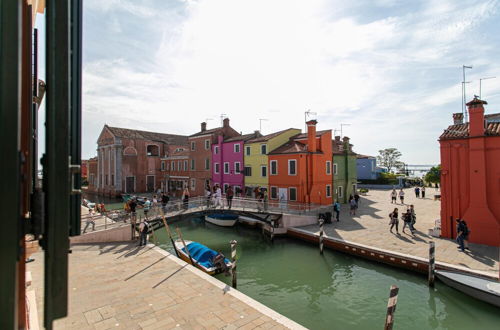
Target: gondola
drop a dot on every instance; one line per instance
(477, 287)
(222, 219)
(204, 258)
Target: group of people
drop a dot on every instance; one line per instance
(353, 203)
(90, 220)
(395, 194)
(420, 191)
(409, 219)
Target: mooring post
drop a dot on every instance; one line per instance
(391, 307)
(272, 230)
(321, 233)
(432, 265)
(233, 261)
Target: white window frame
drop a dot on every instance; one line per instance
(328, 167)
(193, 184)
(216, 168)
(295, 161)
(207, 144)
(237, 146)
(328, 194)
(226, 167)
(216, 150)
(271, 167)
(271, 192)
(193, 145)
(237, 170)
(335, 169)
(261, 167)
(340, 193)
(263, 145)
(248, 150)
(290, 194)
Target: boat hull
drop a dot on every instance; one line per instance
(480, 290)
(221, 222)
(184, 256)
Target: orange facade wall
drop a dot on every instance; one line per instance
(470, 187)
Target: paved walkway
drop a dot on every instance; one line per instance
(370, 227)
(122, 286)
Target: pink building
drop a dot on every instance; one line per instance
(227, 161)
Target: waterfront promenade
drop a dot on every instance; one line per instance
(370, 227)
(122, 286)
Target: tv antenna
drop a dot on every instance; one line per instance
(260, 123)
(480, 84)
(342, 126)
(222, 116)
(463, 91)
(307, 114)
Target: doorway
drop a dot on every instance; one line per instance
(130, 184)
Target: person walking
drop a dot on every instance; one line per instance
(353, 206)
(413, 218)
(90, 221)
(218, 197)
(208, 195)
(147, 207)
(185, 198)
(229, 197)
(461, 234)
(394, 196)
(265, 198)
(132, 204)
(336, 209)
(407, 218)
(356, 198)
(466, 234)
(422, 191)
(402, 196)
(394, 221)
(417, 192)
(144, 229)
(164, 201)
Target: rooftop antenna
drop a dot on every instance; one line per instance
(463, 92)
(342, 126)
(260, 123)
(222, 116)
(335, 131)
(307, 114)
(480, 84)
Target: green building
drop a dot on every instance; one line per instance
(344, 169)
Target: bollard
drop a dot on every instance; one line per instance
(233, 261)
(391, 307)
(432, 265)
(321, 234)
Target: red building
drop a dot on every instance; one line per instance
(175, 171)
(470, 175)
(301, 169)
(92, 174)
(200, 154)
(129, 160)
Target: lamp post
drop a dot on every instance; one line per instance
(480, 84)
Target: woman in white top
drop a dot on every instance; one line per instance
(402, 196)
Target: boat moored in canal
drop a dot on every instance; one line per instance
(222, 219)
(202, 257)
(477, 287)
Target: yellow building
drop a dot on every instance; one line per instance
(256, 162)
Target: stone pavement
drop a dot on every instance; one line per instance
(370, 227)
(122, 286)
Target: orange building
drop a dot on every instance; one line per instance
(301, 169)
(470, 175)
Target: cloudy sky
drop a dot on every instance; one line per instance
(391, 69)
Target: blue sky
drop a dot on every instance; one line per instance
(391, 69)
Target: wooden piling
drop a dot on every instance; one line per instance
(391, 307)
(185, 246)
(272, 230)
(321, 234)
(432, 266)
(167, 228)
(233, 262)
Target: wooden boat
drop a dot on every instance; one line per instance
(222, 219)
(477, 287)
(203, 257)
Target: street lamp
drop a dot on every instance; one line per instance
(480, 85)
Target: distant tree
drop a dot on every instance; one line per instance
(389, 158)
(434, 175)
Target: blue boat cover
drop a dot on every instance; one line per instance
(223, 216)
(201, 254)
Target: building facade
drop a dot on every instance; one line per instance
(470, 175)
(129, 160)
(301, 169)
(174, 171)
(366, 167)
(256, 158)
(200, 154)
(345, 174)
(92, 174)
(228, 161)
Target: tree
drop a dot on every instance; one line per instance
(434, 175)
(389, 158)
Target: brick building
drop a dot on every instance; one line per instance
(92, 174)
(470, 175)
(129, 160)
(301, 169)
(200, 154)
(175, 173)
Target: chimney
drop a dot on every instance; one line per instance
(476, 116)
(337, 138)
(311, 135)
(458, 118)
(203, 127)
(346, 143)
(226, 122)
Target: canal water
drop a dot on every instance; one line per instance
(334, 290)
